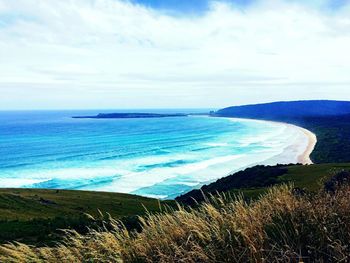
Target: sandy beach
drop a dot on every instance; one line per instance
(303, 158)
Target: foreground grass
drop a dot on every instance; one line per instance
(282, 226)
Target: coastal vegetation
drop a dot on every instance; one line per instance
(283, 225)
(254, 181)
(333, 133)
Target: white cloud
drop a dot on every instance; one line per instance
(112, 54)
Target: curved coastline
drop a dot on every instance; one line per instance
(312, 140)
(305, 157)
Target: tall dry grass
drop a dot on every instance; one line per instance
(280, 227)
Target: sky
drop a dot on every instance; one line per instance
(117, 54)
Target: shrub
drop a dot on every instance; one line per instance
(340, 178)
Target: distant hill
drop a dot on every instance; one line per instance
(287, 110)
(329, 120)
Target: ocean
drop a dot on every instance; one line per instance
(155, 157)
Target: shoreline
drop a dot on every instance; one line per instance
(305, 157)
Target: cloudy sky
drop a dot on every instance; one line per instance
(172, 53)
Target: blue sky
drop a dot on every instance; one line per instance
(200, 6)
(177, 5)
(186, 7)
(171, 54)
(197, 6)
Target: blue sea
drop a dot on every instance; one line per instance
(156, 157)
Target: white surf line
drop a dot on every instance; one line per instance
(303, 158)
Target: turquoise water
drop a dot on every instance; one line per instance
(161, 157)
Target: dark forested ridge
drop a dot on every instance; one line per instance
(255, 177)
(329, 120)
(288, 109)
(255, 181)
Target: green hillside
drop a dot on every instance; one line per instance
(34, 215)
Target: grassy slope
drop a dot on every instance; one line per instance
(26, 204)
(34, 215)
(312, 177)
